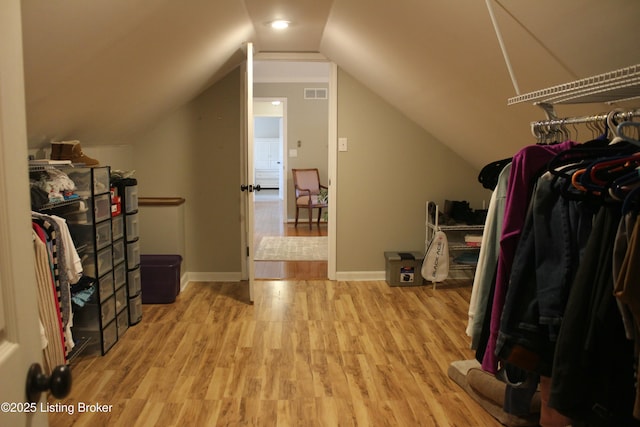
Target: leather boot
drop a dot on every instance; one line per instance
(66, 148)
(72, 150)
(56, 148)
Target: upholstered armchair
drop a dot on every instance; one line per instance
(307, 190)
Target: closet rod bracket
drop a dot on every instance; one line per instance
(548, 109)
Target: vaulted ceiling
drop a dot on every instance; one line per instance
(100, 70)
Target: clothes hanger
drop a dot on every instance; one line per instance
(599, 175)
(602, 174)
(576, 180)
(612, 126)
(608, 169)
(561, 181)
(628, 124)
(535, 130)
(621, 186)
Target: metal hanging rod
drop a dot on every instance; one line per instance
(555, 129)
(620, 116)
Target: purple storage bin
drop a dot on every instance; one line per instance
(160, 278)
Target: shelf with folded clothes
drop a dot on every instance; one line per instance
(80, 199)
(58, 204)
(50, 187)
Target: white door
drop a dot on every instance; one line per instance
(267, 164)
(281, 164)
(248, 171)
(272, 156)
(19, 330)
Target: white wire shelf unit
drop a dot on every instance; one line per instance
(611, 87)
(456, 240)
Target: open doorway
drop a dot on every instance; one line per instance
(270, 144)
(302, 88)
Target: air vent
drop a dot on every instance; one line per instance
(315, 93)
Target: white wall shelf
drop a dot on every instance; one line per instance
(614, 86)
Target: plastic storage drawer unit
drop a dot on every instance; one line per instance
(160, 277)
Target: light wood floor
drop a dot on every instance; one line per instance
(268, 222)
(306, 353)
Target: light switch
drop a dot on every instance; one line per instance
(342, 144)
(293, 152)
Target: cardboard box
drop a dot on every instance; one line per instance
(403, 268)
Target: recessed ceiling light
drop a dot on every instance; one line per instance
(280, 24)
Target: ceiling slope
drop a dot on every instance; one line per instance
(440, 63)
(99, 70)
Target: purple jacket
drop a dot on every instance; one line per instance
(526, 166)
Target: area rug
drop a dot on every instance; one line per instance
(278, 248)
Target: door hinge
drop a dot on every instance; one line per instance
(247, 251)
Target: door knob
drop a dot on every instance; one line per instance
(251, 188)
(59, 382)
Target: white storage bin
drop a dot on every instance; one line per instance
(120, 275)
(118, 252)
(108, 310)
(105, 261)
(133, 255)
(121, 299)
(102, 207)
(123, 322)
(133, 231)
(134, 282)
(135, 310)
(117, 227)
(103, 234)
(105, 287)
(109, 336)
(131, 198)
(101, 178)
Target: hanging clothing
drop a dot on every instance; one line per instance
(627, 291)
(593, 374)
(48, 306)
(487, 258)
(68, 271)
(527, 164)
(554, 235)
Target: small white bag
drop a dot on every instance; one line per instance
(435, 267)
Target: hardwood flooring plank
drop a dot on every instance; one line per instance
(306, 353)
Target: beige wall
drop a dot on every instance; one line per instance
(307, 122)
(392, 167)
(195, 153)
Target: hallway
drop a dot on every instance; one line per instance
(268, 222)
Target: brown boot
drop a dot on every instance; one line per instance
(72, 150)
(66, 150)
(56, 148)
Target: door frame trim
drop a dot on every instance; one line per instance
(332, 150)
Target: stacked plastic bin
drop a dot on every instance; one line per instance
(128, 191)
(119, 271)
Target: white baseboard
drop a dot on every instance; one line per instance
(361, 276)
(305, 220)
(235, 276)
(230, 276)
